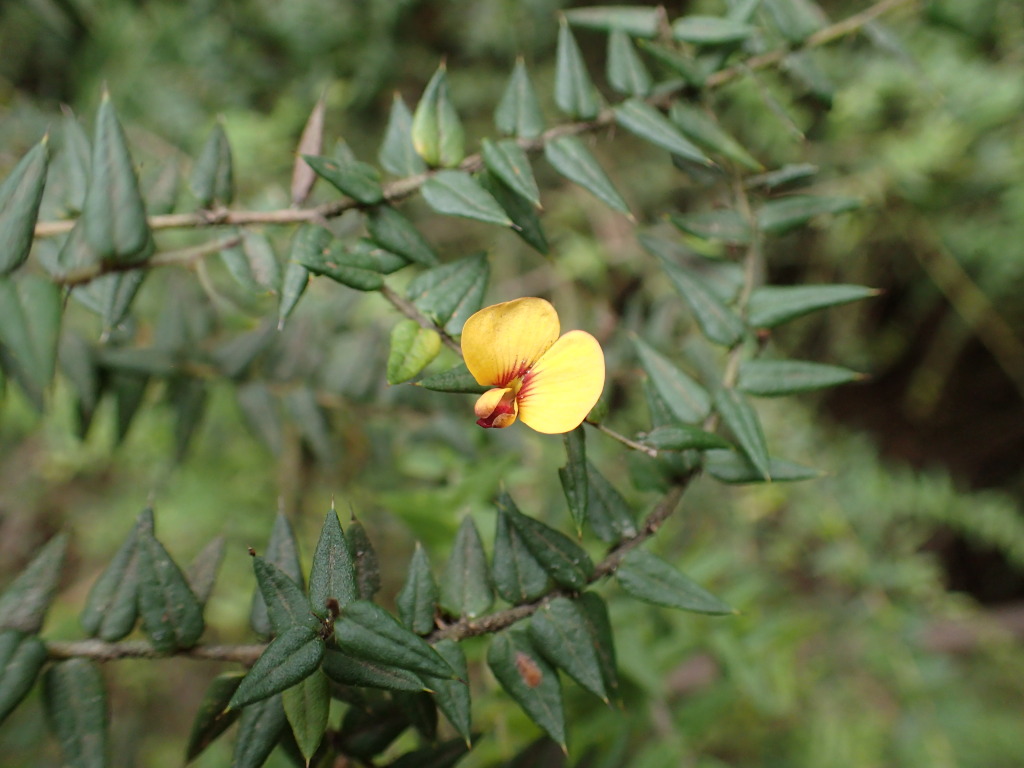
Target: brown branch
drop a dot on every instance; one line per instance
(98, 650)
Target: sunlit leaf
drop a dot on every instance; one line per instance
(437, 132)
(412, 350)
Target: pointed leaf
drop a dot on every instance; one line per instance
(368, 632)
(786, 213)
(507, 160)
(282, 552)
(683, 437)
(24, 603)
(450, 293)
(259, 729)
(575, 93)
(290, 658)
(641, 21)
(528, 678)
(466, 584)
(310, 143)
(30, 313)
(437, 133)
(73, 161)
(595, 616)
(332, 575)
(742, 421)
(525, 221)
(710, 30)
(685, 66)
(397, 154)
(296, 278)
(112, 606)
(202, 571)
(456, 193)
(20, 195)
(718, 322)
(412, 350)
(364, 557)
(559, 631)
(114, 216)
(307, 706)
(736, 468)
(574, 476)
(457, 379)
(564, 560)
(775, 378)
(701, 128)
(355, 267)
(609, 514)
(213, 716)
(518, 576)
(395, 233)
(685, 397)
(349, 670)
(262, 263)
(518, 112)
(417, 601)
(360, 181)
(21, 659)
(772, 305)
(569, 156)
(212, 176)
(172, 617)
(76, 706)
(649, 578)
(452, 696)
(639, 117)
(286, 605)
(626, 72)
(725, 225)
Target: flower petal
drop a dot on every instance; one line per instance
(497, 408)
(563, 386)
(501, 342)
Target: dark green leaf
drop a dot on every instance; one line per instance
(518, 576)
(417, 601)
(290, 658)
(307, 706)
(77, 359)
(421, 712)
(786, 213)
(112, 606)
(507, 160)
(360, 181)
(773, 305)
(452, 695)
(626, 72)
(443, 755)
(683, 437)
(110, 296)
(456, 193)
(202, 571)
(21, 658)
(560, 632)
(397, 154)
(349, 670)
(114, 216)
(649, 578)
(787, 174)
(725, 225)
(162, 190)
(718, 322)
(172, 617)
(610, 516)
(775, 378)
(595, 615)
(733, 467)
(282, 552)
(569, 156)
(412, 349)
(529, 680)
(129, 389)
(457, 379)
(73, 161)
(710, 30)
(365, 560)
(450, 293)
(518, 112)
(639, 117)
(20, 195)
(575, 93)
(640, 21)
(685, 66)
(76, 706)
(437, 132)
(684, 397)
(366, 732)
(212, 177)
(466, 583)
(357, 267)
(392, 231)
(24, 603)
(742, 421)
(286, 605)
(332, 575)
(368, 632)
(30, 311)
(259, 729)
(701, 128)
(564, 560)
(574, 476)
(213, 716)
(526, 222)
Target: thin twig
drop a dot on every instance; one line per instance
(652, 452)
(410, 311)
(98, 650)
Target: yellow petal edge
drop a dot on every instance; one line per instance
(501, 342)
(563, 385)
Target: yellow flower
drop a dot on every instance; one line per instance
(549, 383)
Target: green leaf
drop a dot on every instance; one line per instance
(307, 705)
(683, 437)
(332, 575)
(795, 19)
(202, 571)
(736, 468)
(518, 576)
(742, 421)
(640, 118)
(772, 305)
(804, 68)
(213, 716)
(466, 583)
(21, 658)
(457, 379)
(377, 258)
(575, 93)
(609, 514)
(685, 66)
(725, 225)
(397, 155)
(780, 177)
(309, 241)
(507, 160)
(20, 195)
(187, 397)
(647, 577)
(710, 30)
(717, 321)
(290, 658)
(348, 670)
(417, 601)
(259, 729)
(365, 560)
(261, 261)
(518, 112)
(528, 678)
(368, 632)
(76, 707)
(684, 397)
(24, 603)
(395, 233)
(77, 359)
(30, 313)
(640, 21)
(595, 616)
(129, 389)
(702, 129)
(564, 560)
(559, 631)
(437, 133)
(172, 617)
(786, 213)
(212, 177)
(412, 350)
(286, 605)
(360, 181)
(452, 695)
(283, 553)
(355, 267)
(776, 378)
(262, 414)
(456, 193)
(569, 156)
(450, 293)
(574, 477)
(73, 161)
(114, 216)
(626, 72)
(443, 755)
(525, 221)
(112, 606)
